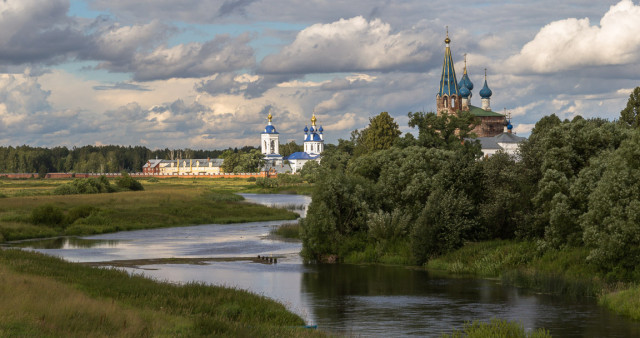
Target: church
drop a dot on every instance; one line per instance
(493, 130)
(454, 96)
(313, 145)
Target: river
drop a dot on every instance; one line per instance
(342, 299)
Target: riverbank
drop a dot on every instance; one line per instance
(551, 271)
(163, 203)
(46, 296)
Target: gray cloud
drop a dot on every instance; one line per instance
(222, 54)
(122, 86)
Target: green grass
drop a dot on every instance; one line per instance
(46, 296)
(287, 230)
(497, 328)
(625, 302)
(166, 203)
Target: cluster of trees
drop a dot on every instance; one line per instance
(93, 159)
(573, 183)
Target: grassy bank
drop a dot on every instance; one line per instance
(553, 271)
(521, 264)
(164, 203)
(45, 296)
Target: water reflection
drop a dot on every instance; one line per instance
(65, 243)
(377, 300)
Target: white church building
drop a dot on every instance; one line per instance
(313, 146)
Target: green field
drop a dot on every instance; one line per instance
(162, 203)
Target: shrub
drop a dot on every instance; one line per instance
(47, 214)
(251, 179)
(129, 183)
(264, 182)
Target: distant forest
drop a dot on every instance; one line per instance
(93, 159)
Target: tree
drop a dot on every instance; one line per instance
(289, 148)
(444, 131)
(381, 133)
(631, 114)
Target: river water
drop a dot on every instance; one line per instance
(341, 299)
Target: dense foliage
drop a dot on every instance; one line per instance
(573, 184)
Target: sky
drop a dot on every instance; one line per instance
(204, 74)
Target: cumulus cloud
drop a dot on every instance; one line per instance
(36, 31)
(351, 45)
(572, 43)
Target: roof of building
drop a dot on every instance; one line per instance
(485, 92)
(508, 138)
(301, 155)
(477, 111)
(465, 81)
(152, 163)
(448, 81)
(270, 129)
(312, 137)
(487, 142)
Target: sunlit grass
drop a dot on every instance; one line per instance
(46, 296)
(168, 202)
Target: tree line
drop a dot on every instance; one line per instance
(573, 183)
(93, 159)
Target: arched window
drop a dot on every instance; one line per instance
(273, 147)
(445, 101)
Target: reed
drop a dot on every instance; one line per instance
(287, 230)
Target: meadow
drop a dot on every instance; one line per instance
(30, 209)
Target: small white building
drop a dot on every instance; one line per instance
(506, 141)
(313, 146)
(270, 144)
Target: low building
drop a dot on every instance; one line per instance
(505, 141)
(183, 167)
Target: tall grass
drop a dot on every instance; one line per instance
(287, 230)
(497, 328)
(46, 296)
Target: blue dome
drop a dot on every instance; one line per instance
(314, 138)
(464, 92)
(485, 92)
(466, 82)
(509, 126)
(306, 130)
(311, 129)
(320, 129)
(269, 129)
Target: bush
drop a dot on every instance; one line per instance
(289, 179)
(85, 186)
(81, 211)
(129, 183)
(443, 225)
(251, 179)
(264, 182)
(47, 215)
